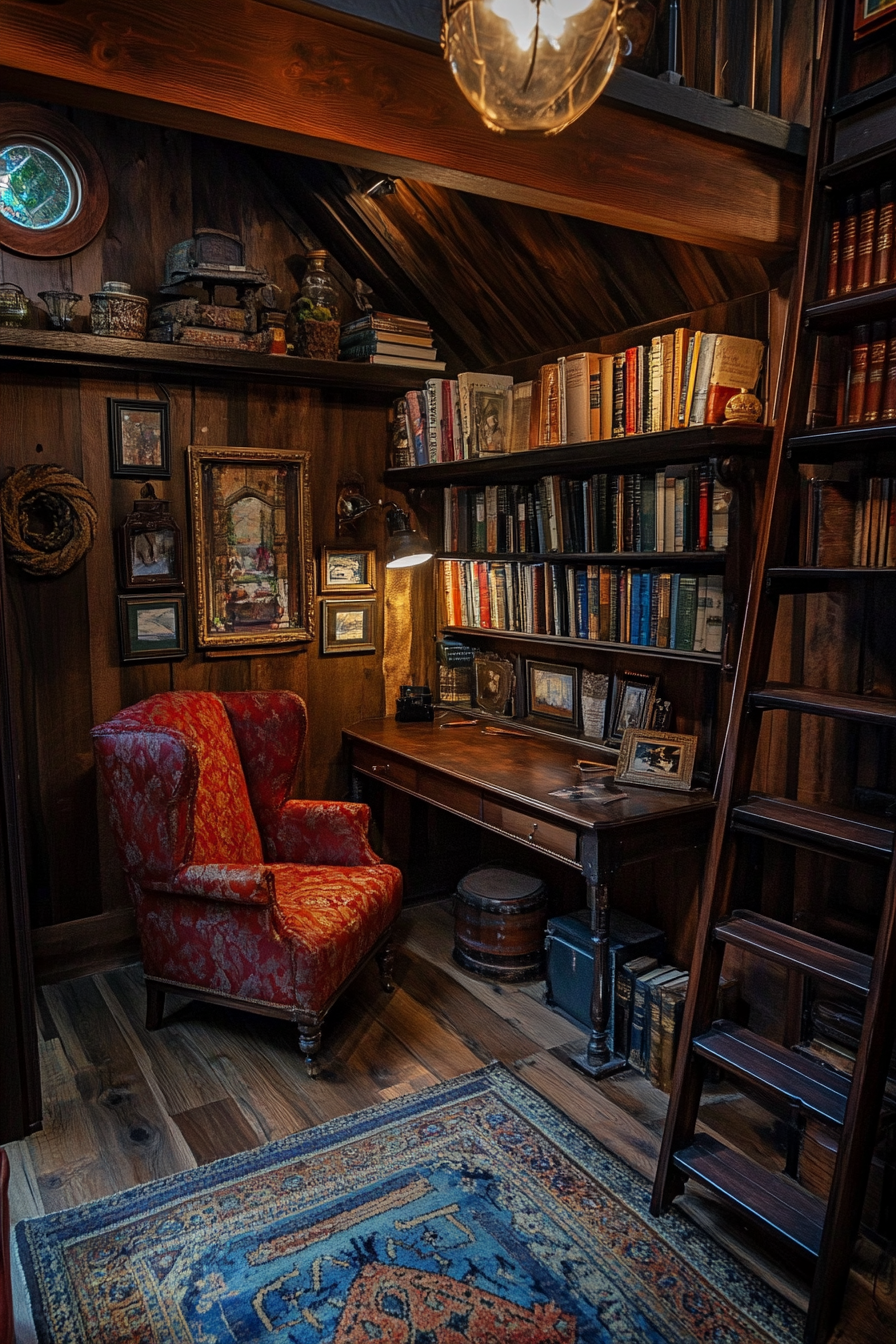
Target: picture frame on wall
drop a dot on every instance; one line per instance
(634, 694)
(552, 694)
(139, 439)
(251, 531)
(348, 626)
(347, 569)
(152, 629)
(656, 760)
(870, 15)
(149, 547)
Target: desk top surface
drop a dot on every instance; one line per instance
(524, 770)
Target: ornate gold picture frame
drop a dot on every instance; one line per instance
(656, 760)
(251, 523)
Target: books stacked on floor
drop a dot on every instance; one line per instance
(387, 338)
(680, 508)
(599, 603)
(860, 249)
(854, 377)
(649, 1007)
(848, 523)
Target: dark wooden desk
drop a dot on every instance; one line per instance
(504, 784)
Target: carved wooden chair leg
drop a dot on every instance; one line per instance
(155, 1007)
(309, 1042)
(386, 962)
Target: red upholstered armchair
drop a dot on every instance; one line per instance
(243, 896)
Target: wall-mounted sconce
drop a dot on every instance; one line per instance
(405, 546)
(351, 506)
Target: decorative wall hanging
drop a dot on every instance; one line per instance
(345, 569)
(532, 66)
(139, 441)
(49, 519)
(152, 629)
(53, 191)
(349, 626)
(148, 545)
(251, 520)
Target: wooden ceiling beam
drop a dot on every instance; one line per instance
(247, 71)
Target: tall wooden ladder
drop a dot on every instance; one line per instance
(819, 1235)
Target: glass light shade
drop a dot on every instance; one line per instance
(406, 549)
(531, 65)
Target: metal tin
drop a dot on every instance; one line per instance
(115, 311)
(15, 308)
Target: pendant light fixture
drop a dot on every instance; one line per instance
(531, 65)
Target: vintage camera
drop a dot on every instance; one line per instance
(414, 705)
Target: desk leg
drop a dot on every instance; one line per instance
(598, 1059)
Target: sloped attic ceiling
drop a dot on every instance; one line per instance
(497, 281)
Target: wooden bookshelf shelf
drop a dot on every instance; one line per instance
(77, 352)
(636, 450)
(867, 306)
(630, 650)
(816, 578)
(840, 441)
(640, 559)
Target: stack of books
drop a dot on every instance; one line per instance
(387, 338)
(649, 1007)
(854, 377)
(860, 248)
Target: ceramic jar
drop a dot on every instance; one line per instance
(14, 306)
(115, 311)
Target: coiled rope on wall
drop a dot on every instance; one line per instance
(49, 519)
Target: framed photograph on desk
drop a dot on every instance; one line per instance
(633, 696)
(552, 693)
(656, 760)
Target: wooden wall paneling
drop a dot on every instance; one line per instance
(41, 424)
(271, 77)
(698, 44)
(797, 51)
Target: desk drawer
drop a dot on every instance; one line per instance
(450, 793)
(377, 763)
(544, 834)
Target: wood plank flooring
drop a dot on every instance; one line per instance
(123, 1105)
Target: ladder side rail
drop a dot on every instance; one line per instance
(742, 733)
(856, 1148)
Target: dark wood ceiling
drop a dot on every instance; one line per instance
(498, 281)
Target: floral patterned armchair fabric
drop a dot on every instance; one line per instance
(243, 895)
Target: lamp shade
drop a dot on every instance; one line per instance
(531, 65)
(404, 547)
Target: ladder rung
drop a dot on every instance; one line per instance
(777, 1203)
(828, 829)
(776, 1070)
(833, 704)
(805, 952)
(818, 578)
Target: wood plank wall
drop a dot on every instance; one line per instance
(67, 673)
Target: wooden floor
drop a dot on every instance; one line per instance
(123, 1106)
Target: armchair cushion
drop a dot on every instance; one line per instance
(332, 917)
(320, 832)
(244, 884)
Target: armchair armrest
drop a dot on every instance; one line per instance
(238, 883)
(322, 833)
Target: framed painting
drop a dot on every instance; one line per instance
(152, 629)
(657, 760)
(251, 519)
(347, 569)
(139, 440)
(869, 15)
(552, 693)
(349, 626)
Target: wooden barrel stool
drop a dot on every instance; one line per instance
(499, 924)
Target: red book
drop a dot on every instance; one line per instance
(451, 449)
(833, 260)
(848, 237)
(631, 390)
(703, 511)
(888, 400)
(867, 231)
(883, 246)
(485, 610)
(874, 387)
(858, 374)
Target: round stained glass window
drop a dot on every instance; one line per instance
(38, 190)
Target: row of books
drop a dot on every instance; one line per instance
(680, 508)
(854, 377)
(602, 603)
(860, 251)
(388, 338)
(648, 1011)
(681, 379)
(848, 523)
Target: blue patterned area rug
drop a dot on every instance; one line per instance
(472, 1213)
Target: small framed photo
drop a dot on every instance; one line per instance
(139, 440)
(347, 569)
(633, 697)
(152, 629)
(349, 626)
(869, 15)
(493, 684)
(657, 760)
(552, 693)
(148, 546)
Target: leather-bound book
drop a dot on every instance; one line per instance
(834, 519)
(619, 395)
(874, 387)
(833, 282)
(849, 232)
(858, 374)
(888, 399)
(535, 413)
(883, 243)
(867, 233)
